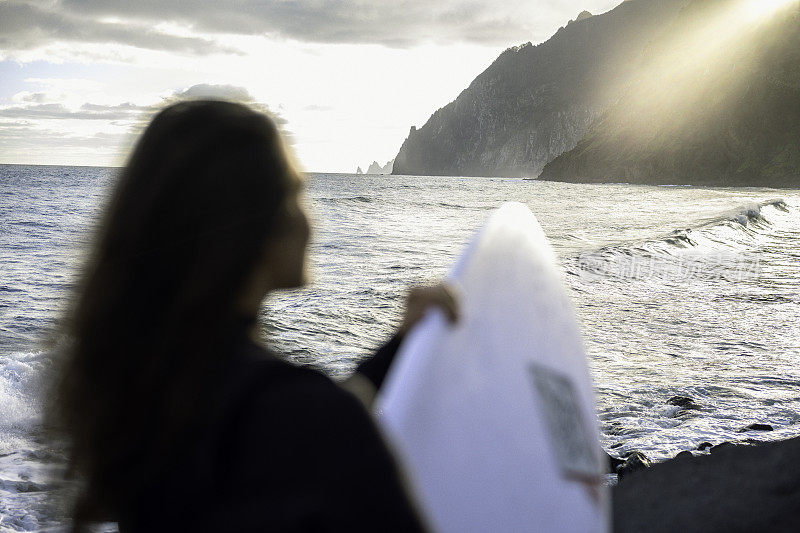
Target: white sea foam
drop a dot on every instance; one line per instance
(20, 391)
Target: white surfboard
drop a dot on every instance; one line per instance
(494, 419)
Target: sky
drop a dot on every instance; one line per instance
(346, 79)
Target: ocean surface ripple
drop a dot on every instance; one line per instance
(680, 291)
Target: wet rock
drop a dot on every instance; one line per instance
(686, 413)
(684, 402)
(22, 486)
(704, 446)
(614, 462)
(615, 445)
(615, 430)
(684, 453)
(634, 461)
(680, 401)
(720, 446)
(743, 443)
(756, 427)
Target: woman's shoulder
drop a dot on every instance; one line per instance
(260, 370)
(268, 407)
(293, 415)
(263, 388)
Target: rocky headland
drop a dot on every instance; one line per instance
(652, 92)
(536, 102)
(727, 117)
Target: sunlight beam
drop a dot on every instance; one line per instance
(755, 9)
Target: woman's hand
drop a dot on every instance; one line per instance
(421, 298)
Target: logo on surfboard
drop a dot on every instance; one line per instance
(572, 444)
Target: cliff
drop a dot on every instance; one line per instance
(536, 102)
(714, 104)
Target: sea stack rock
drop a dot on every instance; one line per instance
(376, 168)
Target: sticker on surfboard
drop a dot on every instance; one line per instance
(574, 448)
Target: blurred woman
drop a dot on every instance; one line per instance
(174, 416)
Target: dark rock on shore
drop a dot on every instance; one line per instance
(736, 488)
(704, 446)
(720, 446)
(614, 463)
(756, 427)
(727, 444)
(634, 462)
(684, 453)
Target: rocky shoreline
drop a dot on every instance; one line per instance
(745, 485)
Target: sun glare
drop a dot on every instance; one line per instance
(762, 8)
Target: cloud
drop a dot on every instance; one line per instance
(28, 25)
(31, 129)
(206, 90)
(37, 98)
(58, 111)
(395, 23)
(223, 92)
(128, 110)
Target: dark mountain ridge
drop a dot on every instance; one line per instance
(536, 102)
(726, 117)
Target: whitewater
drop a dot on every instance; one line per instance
(680, 291)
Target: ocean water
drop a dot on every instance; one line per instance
(679, 291)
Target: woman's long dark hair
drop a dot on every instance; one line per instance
(183, 231)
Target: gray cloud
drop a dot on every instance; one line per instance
(206, 90)
(223, 92)
(395, 23)
(129, 111)
(24, 129)
(58, 111)
(27, 25)
(38, 98)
